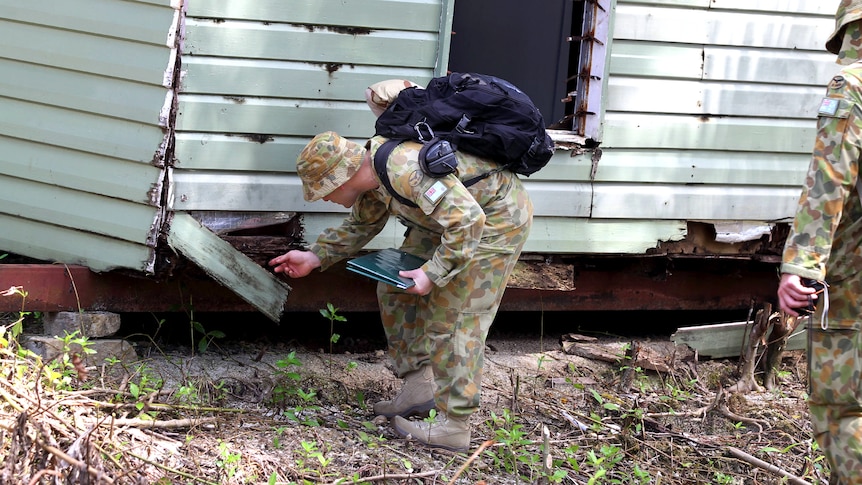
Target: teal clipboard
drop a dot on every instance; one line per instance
(384, 266)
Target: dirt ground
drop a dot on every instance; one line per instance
(276, 411)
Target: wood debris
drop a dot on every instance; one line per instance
(656, 356)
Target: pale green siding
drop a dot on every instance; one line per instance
(85, 98)
(710, 108)
(707, 113)
(261, 78)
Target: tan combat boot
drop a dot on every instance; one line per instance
(416, 397)
(448, 432)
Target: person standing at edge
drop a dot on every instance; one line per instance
(471, 239)
(824, 244)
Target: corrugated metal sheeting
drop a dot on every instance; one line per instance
(84, 103)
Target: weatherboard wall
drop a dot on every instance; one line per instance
(708, 115)
(84, 106)
(710, 108)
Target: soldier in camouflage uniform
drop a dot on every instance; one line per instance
(471, 238)
(825, 244)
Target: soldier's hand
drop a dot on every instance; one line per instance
(792, 294)
(295, 264)
(423, 285)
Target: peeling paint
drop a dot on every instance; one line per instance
(235, 99)
(260, 138)
(594, 163)
(336, 29)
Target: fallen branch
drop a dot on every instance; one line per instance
(470, 460)
(793, 479)
(391, 476)
(80, 464)
(38, 476)
(149, 423)
(171, 470)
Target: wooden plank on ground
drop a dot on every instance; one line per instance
(722, 340)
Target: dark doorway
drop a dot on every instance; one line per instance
(525, 43)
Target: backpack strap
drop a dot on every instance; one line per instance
(380, 159)
(473, 180)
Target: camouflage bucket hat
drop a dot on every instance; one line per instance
(848, 11)
(327, 162)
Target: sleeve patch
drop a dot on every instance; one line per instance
(436, 191)
(829, 106)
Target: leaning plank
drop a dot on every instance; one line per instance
(724, 340)
(228, 266)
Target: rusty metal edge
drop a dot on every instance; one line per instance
(597, 287)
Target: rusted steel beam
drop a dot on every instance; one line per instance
(611, 284)
(54, 287)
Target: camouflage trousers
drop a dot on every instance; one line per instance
(447, 328)
(835, 381)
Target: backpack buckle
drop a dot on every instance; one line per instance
(424, 131)
(462, 125)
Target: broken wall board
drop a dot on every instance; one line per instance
(234, 270)
(725, 340)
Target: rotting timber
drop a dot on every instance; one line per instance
(692, 274)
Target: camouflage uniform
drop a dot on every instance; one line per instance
(472, 238)
(824, 244)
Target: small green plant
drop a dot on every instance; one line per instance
(331, 314)
(287, 390)
(286, 378)
(603, 402)
(145, 385)
(68, 368)
(722, 479)
(200, 338)
(276, 440)
(603, 464)
(188, 394)
(9, 333)
(371, 441)
(540, 362)
(312, 459)
(227, 462)
(514, 451)
(360, 400)
(641, 475)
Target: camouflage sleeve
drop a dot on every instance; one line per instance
(367, 218)
(830, 181)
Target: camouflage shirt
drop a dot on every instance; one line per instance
(824, 242)
(464, 218)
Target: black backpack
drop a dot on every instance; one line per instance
(475, 113)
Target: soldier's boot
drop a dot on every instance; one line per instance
(416, 397)
(447, 432)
